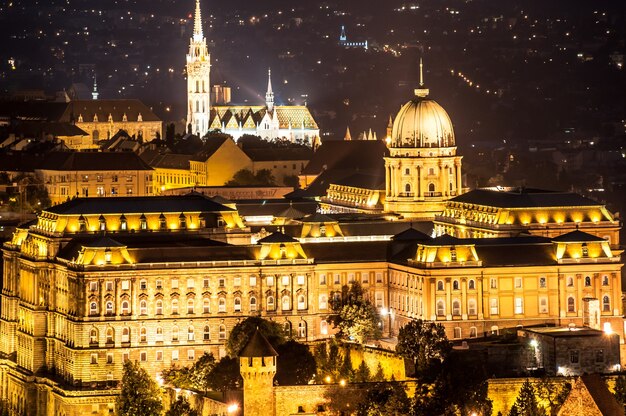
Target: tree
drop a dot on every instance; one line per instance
(362, 373)
(201, 371)
(379, 375)
(424, 343)
(526, 402)
(265, 177)
(181, 407)
(384, 399)
(225, 375)
(354, 315)
(179, 377)
(296, 364)
(552, 392)
(240, 334)
(140, 395)
(245, 177)
(620, 390)
(346, 372)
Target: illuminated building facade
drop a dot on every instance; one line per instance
(198, 79)
(422, 170)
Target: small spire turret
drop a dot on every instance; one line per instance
(197, 23)
(269, 95)
(95, 94)
(421, 91)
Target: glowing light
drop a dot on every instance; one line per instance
(608, 330)
(328, 379)
(342, 382)
(384, 312)
(232, 408)
(534, 343)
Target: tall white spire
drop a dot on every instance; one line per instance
(269, 95)
(94, 94)
(421, 91)
(197, 24)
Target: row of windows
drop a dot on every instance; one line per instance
(206, 305)
(143, 357)
(94, 337)
(336, 278)
(518, 283)
(191, 283)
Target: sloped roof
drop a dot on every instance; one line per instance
(351, 155)
(290, 212)
(277, 237)
(295, 116)
(577, 236)
(210, 147)
(317, 217)
(103, 242)
(36, 129)
(141, 204)
(286, 154)
(169, 161)
(102, 108)
(411, 234)
(258, 346)
(524, 198)
(93, 161)
(33, 110)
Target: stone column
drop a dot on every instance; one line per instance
(448, 300)
(480, 300)
(459, 178)
(464, 298)
(433, 301)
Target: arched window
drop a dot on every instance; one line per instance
(324, 328)
(93, 336)
(174, 333)
(471, 307)
(143, 307)
(159, 334)
(110, 334)
(606, 304)
(456, 307)
(252, 304)
(125, 335)
(287, 328)
(302, 329)
(471, 284)
(323, 302)
(587, 281)
(270, 303)
(457, 332)
(455, 285)
(109, 308)
(473, 332)
(571, 304)
(125, 307)
(190, 306)
(441, 308)
(431, 187)
(286, 303)
(605, 280)
(570, 281)
(206, 305)
(301, 302)
(237, 304)
(221, 305)
(190, 334)
(495, 330)
(407, 188)
(174, 306)
(222, 332)
(159, 307)
(206, 335)
(93, 308)
(143, 334)
(440, 285)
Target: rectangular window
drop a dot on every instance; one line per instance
(125, 357)
(125, 284)
(286, 280)
(519, 305)
(191, 354)
(191, 283)
(94, 358)
(379, 277)
(237, 282)
(573, 356)
(518, 283)
(380, 302)
(174, 355)
(543, 305)
(205, 283)
(322, 279)
(493, 283)
(174, 283)
(109, 286)
(93, 286)
(159, 355)
(599, 356)
(337, 279)
(159, 284)
(542, 283)
(252, 281)
(301, 280)
(222, 282)
(493, 306)
(269, 280)
(365, 277)
(109, 358)
(350, 277)
(143, 285)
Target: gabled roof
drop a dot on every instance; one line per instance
(411, 234)
(317, 217)
(524, 198)
(126, 205)
(93, 161)
(167, 160)
(258, 346)
(295, 116)
(210, 147)
(351, 155)
(290, 212)
(447, 240)
(577, 236)
(102, 108)
(277, 237)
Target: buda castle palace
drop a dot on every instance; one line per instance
(93, 282)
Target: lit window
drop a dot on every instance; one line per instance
(190, 306)
(109, 308)
(159, 307)
(571, 304)
(174, 333)
(93, 336)
(174, 355)
(543, 305)
(93, 308)
(174, 305)
(125, 335)
(322, 279)
(125, 285)
(190, 334)
(286, 303)
(191, 283)
(269, 280)
(206, 305)
(606, 304)
(456, 307)
(301, 280)
(237, 304)
(222, 332)
(324, 328)
(110, 335)
(441, 308)
(301, 302)
(174, 283)
(379, 277)
(302, 329)
(493, 306)
(471, 307)
(252, 281)
(143, 334)
(237, 281)
(270, 303)
(143, 307)
(206, 335)
(252, 304)
(518, 282)
(221, 305)
(323, 302)
(158, 334)
(519, 305)
(286, 280)
(191, 354)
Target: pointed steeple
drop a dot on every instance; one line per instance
(269, 95)
(94, 94)
(348, 136)
(342, 36)
(197, 23)
(421, 91)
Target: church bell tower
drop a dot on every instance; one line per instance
(198, 79)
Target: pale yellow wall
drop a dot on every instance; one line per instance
(106, 130)
(224, 163)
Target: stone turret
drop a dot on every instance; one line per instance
(257, 365)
